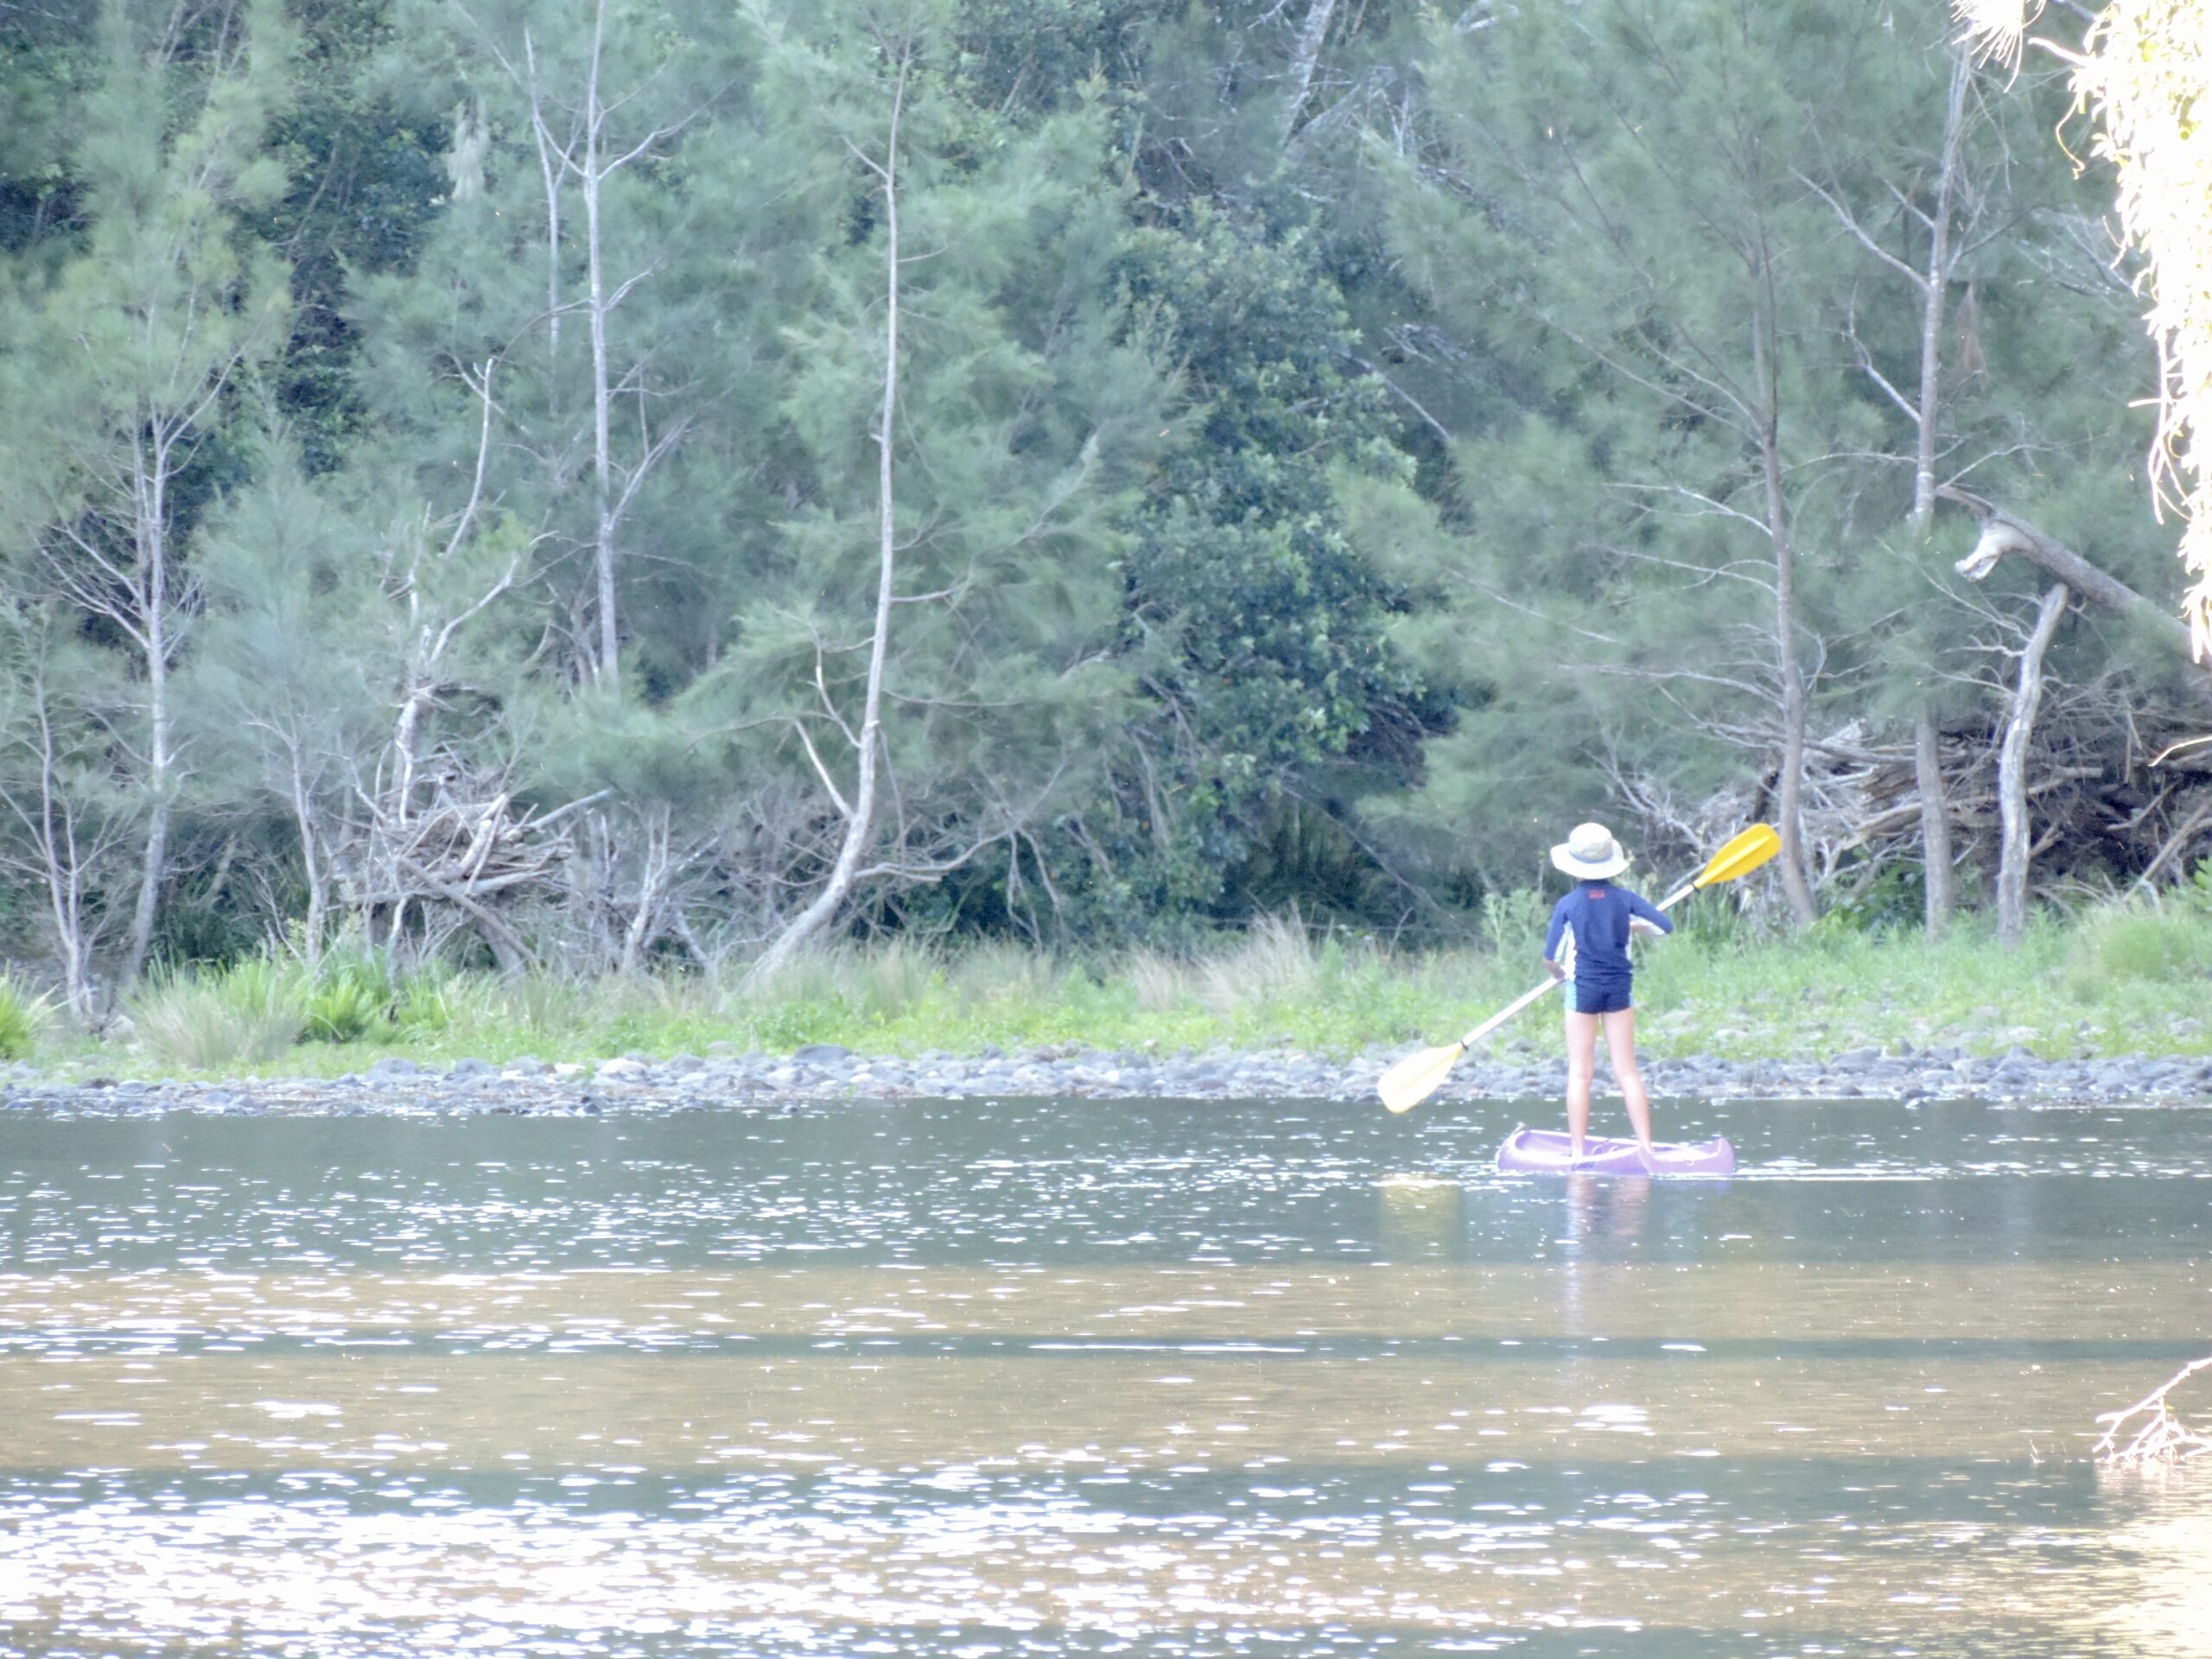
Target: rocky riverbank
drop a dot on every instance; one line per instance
(824, 1072)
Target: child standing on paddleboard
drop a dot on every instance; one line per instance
(1591, 928)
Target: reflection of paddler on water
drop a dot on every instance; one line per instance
(1600, 1211)
(1587, 949)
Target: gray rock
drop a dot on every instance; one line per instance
(392, 1068)
(462, 1071)
(817, 1052)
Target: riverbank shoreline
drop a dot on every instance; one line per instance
(822, 1073)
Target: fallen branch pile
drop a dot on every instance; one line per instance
(2101, 813)
(469, 846)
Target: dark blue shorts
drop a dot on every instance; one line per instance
(1585, 997)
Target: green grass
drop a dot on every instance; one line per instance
(22, 1018)
(232, 1019)
(2122, 980)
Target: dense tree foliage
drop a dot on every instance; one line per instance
(581, 485)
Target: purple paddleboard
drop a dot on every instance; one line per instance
(1543, 1151)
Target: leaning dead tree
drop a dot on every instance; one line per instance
(2149, 1433)
(858, 809)
(2013, 850)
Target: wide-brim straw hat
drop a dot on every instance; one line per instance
(1590, 852)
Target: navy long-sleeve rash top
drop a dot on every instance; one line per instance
(1598, 914)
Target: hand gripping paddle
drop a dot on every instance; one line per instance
(1417, 1077)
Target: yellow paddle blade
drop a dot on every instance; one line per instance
(1417, 1077)
(1745, 853)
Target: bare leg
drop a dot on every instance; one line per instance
(1582, 1061)
(1620, 1043)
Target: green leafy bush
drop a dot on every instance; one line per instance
(423, 1004)
(343, 1011)
(350, 995)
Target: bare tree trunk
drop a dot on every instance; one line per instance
(1935, 289)
(1934, 822)
(1789, 784)
(150, 488)
(860, 813)
(303, 815)
(1935, 810)
(655, 870)
(602, 397)
(64, 870)
(549, 161)
(1303, 58)
(588, 151)
(2011, 771)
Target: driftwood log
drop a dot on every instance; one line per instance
(2148, 1434)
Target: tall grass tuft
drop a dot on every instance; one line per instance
(549, 1003)
(1514, 923)
(894, 976)
(247, 1014)
(1274, 962)
(1003, 973)
(2125, 943)
(804, 1001)
(1161, 982)
(22, 1018)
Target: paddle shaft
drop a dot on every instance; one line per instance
(1536, 994)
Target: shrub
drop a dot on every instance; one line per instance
(22, 1017)
(423, 1005)
(804, 1001)
(349, 997)
(2128, 944)
(342, 1011)
(246, 1014)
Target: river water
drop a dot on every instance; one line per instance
(1040, 1378)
